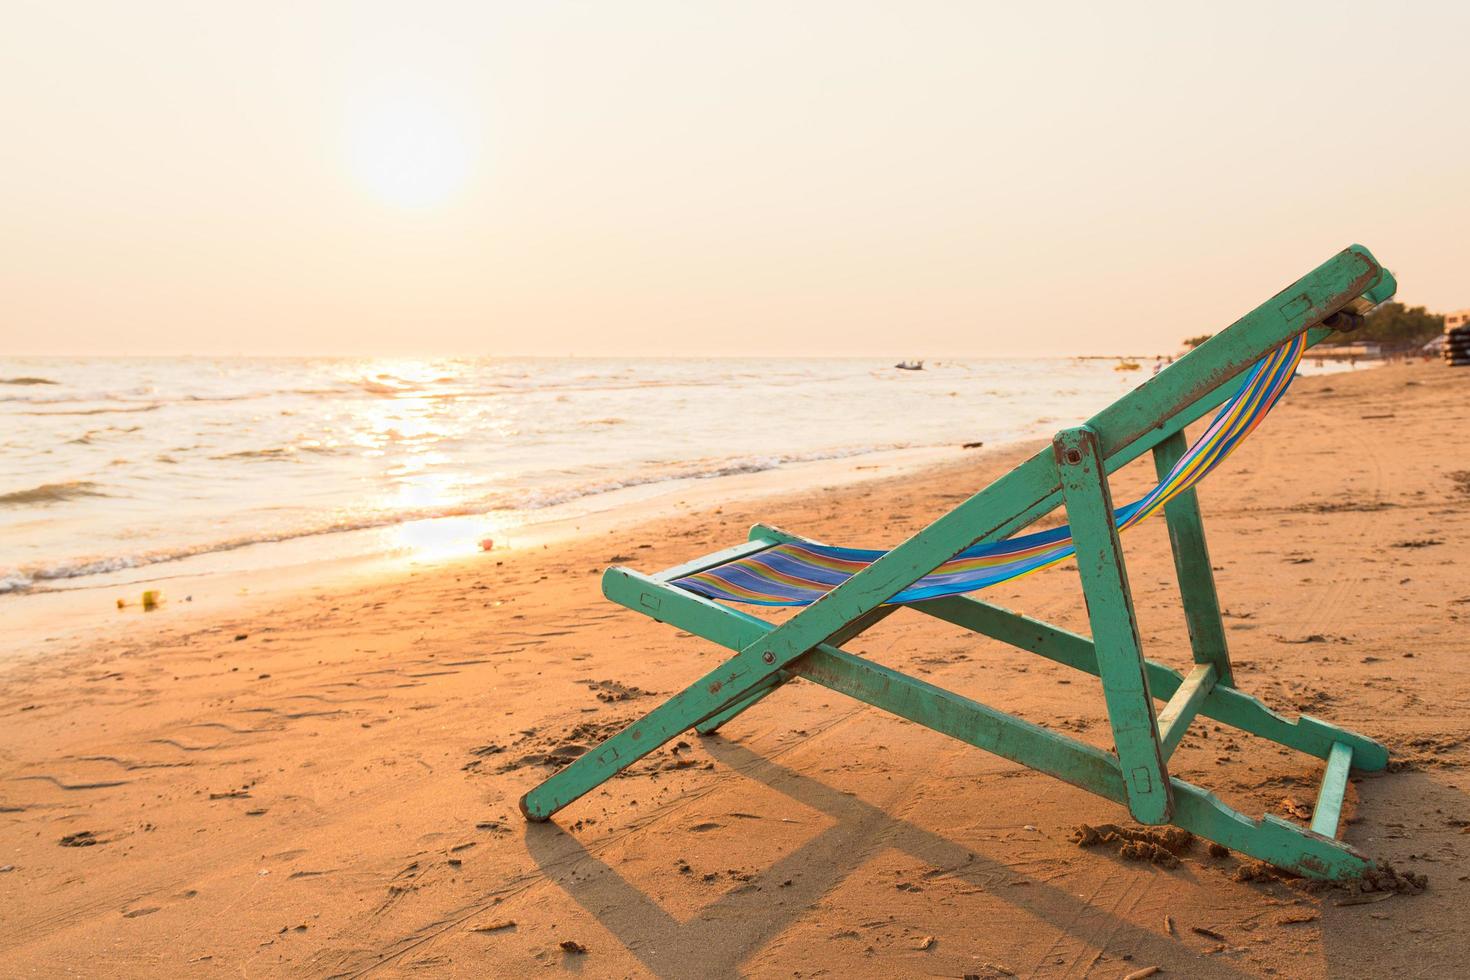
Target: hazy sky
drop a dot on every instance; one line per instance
(900, 179)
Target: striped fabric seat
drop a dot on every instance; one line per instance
(800, 574)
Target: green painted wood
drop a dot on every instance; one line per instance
(1003, 506)
(1306, 302)
(712, 724)
(1184, 705)
(727, 684)
(1270, 839)
(1383, 286)
(1032, 635)
(745, 549)
(1115, 636)
(1115, 461)
(1010, 503)
(969, 721)
(617, 753)
(727, 626)
(1280, 842)
(1227, 705)
(1192, 566)
(1334, 787)
(721, 689)
(702, 617)
(715, 721)
(1307, 734)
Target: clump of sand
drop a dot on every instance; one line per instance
(1158, 845)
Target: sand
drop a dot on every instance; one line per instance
(326, 785)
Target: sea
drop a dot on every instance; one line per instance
(115, 464)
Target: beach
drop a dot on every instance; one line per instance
(322, 780)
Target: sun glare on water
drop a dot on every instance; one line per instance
(412, 150)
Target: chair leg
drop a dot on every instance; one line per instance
(731, 685)
(1114, 629)
(713, 693)
(1192, 567)
(712, 724)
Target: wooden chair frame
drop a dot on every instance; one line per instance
(1073, 474)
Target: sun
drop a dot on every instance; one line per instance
(410, 149)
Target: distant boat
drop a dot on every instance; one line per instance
(1127, 366)
(910, 365)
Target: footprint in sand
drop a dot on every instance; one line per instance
(72, 787)
(613, 691)
(128, 764)
(182, 747)
(229, 728)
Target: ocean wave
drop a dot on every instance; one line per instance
(90, 398)
(28, 381)
(51, 493)
(439, 390)
(85, 439)
(704, 470)
(276, 452)
(282, 452)
(378, 388)
(26, 579)
(532, 386)
(102, 411)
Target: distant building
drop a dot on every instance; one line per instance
(1457, 319)
(1367, 349)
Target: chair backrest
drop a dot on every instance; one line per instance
(1272, 337)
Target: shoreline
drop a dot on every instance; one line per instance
(322, 781)
(55, 527)
(215, 583)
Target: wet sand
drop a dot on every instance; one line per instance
(326, 784)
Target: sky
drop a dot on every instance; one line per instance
(918, 179)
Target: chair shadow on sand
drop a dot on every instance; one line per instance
(743, 920)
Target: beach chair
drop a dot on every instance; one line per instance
(846, 591)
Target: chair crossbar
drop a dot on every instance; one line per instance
(1334, 787)
(715, 558)
(1174, 720)
(1073, 473)
(711, 723)
(1225, 704)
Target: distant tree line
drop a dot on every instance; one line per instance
(1392, 325)
(1397, 325)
